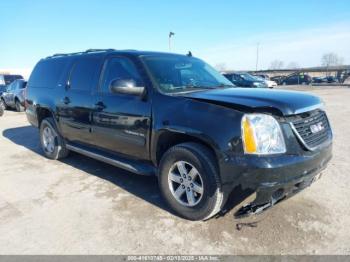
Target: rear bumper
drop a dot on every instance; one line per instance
(279, 177)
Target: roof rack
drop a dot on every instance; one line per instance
(83, 52)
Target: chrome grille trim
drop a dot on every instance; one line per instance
(312, 141)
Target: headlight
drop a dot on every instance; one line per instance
(262, 135)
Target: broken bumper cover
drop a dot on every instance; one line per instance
(277, 178)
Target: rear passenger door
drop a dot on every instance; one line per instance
(121, 122)
(77, 101)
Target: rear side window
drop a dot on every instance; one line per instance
(83, 73)
(47, 73)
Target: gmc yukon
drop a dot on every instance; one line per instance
(175, 117)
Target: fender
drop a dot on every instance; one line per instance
(183, 133)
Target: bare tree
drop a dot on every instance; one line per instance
(221, 67)
(331, 59)
(276, 64)
(293, 65)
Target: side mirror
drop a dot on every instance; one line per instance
(126, 86)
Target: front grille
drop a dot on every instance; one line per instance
(312, 128)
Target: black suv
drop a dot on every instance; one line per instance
(175, 117)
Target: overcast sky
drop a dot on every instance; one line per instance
(220, 32)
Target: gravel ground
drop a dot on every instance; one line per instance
(81, 206)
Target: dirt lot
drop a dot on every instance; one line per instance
(81, 206)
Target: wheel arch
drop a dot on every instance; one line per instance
(44, 112)
(169, 138)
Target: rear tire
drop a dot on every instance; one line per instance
(189, 181)
(52, 143)
(19, 107)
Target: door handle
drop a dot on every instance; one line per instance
(100, 106)
(66, 100)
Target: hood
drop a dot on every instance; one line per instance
(287, 102)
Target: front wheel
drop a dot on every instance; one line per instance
(189, 181)
(3, 104)
(52, 143)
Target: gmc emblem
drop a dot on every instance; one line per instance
(316, 128)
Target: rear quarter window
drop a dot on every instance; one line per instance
(47, 73)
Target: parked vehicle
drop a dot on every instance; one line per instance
(269, 83)
(266, 77)
(2, 108)
(278, 79)
(13, 97)
(331, 79)
(319, 80)
(176, 117)
(6, 79)
(297, 79)
(245, 80)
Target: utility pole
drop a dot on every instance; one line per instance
(257, 57)
(170, 35)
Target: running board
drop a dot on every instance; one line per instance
(134, 166)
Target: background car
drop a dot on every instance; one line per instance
(245, 80)
(13, 97)
(331, 79)
(297, 79)
(2, 108)
(278, 79)
(6, 79)
(266, 77)
(318, 80)
(268, 82)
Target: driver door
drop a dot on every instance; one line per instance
(121, 122)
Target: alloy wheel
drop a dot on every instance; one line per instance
(185, 183)
(49, 139)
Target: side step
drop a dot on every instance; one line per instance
(134, 166)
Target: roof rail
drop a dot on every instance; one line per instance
(80, 53)
(99, 50)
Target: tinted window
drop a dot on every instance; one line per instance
(47, 73)
(21, 84)
(83, 73)
(120, 68)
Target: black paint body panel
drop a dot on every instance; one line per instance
(136, 126)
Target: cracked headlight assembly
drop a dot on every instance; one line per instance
(262, 135)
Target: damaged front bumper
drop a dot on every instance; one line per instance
(278, 178)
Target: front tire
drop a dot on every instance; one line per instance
(3, 104)
(189, 181)
(52, 143)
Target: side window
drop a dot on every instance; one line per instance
(83, 74)
(47, 73)
(9, 88)
(119, 68)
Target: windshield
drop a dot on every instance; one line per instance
(248, 77)
(175, 74)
